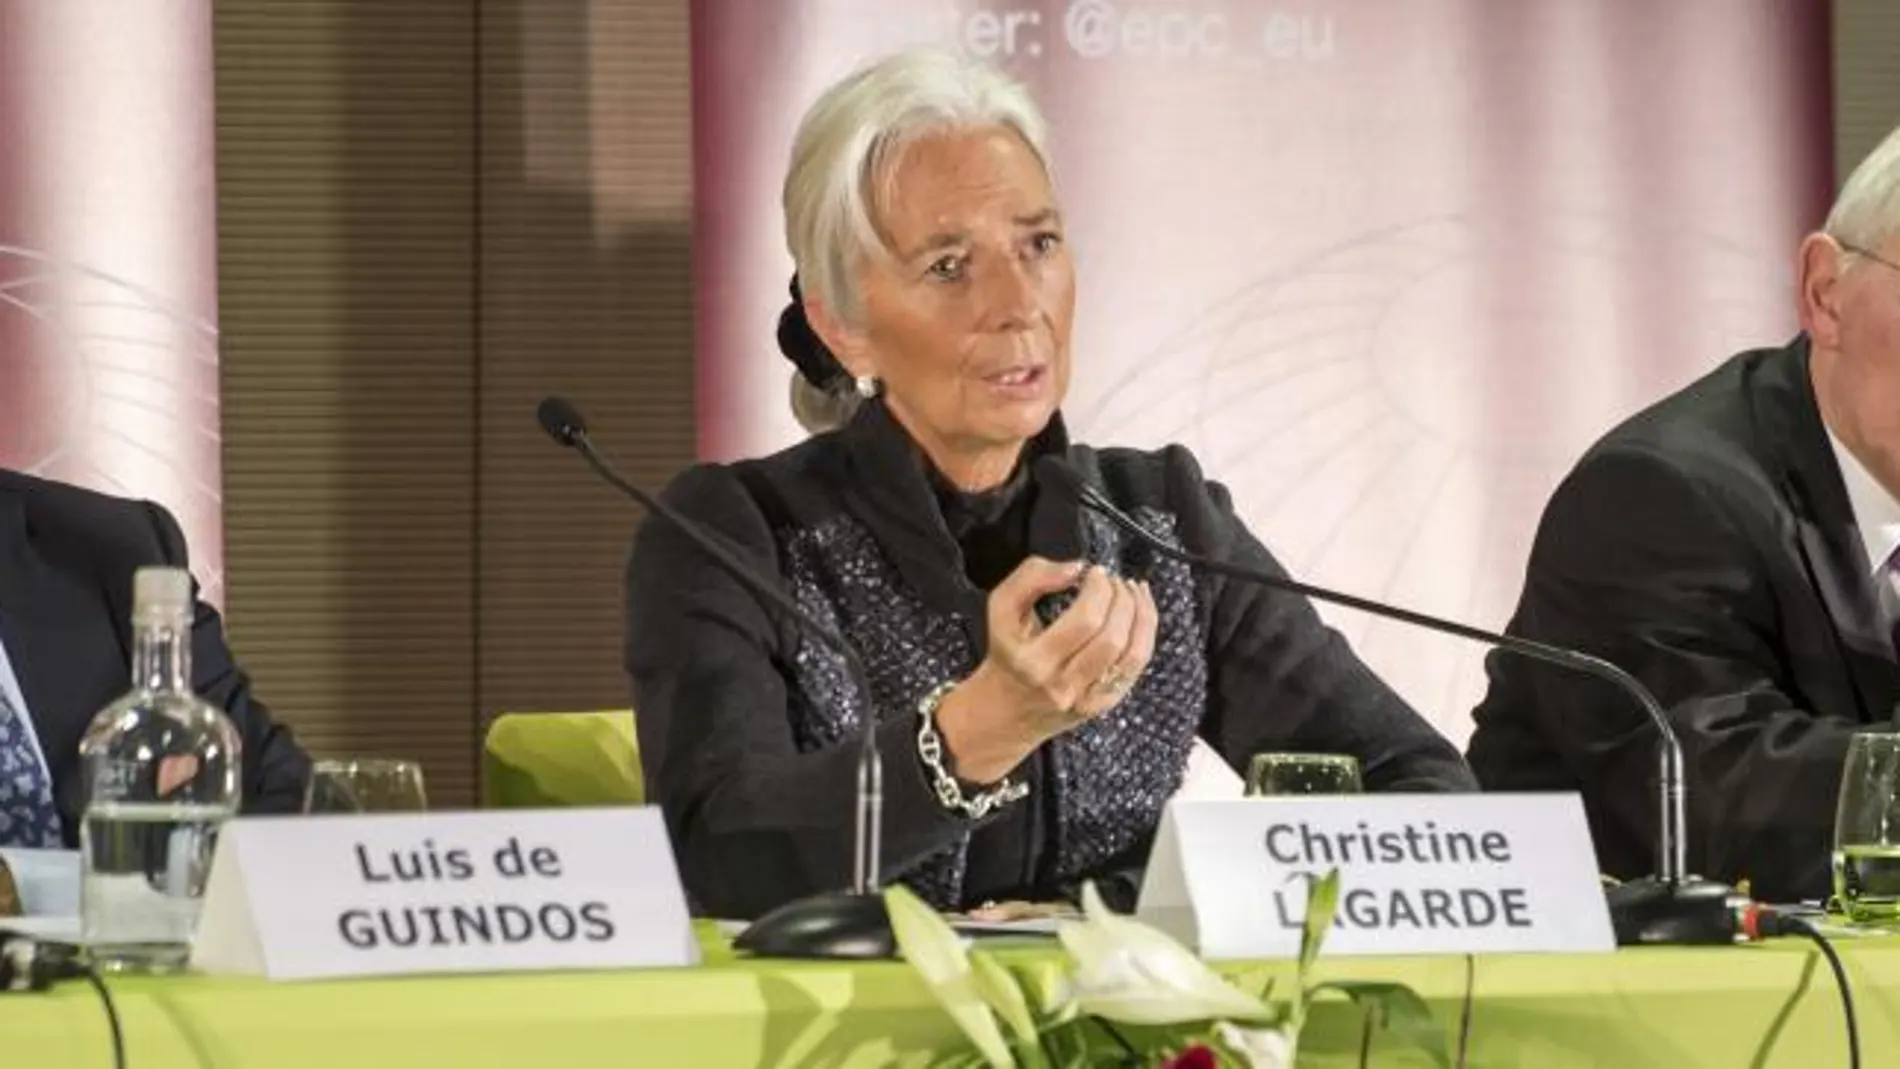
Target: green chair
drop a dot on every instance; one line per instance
(546, 760)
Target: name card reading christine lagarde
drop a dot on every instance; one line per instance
(1303, 848)
(1418, 874)
(385, 894)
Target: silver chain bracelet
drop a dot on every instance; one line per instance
(949, 791)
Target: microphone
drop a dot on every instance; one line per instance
(1670, 907)
(21, 968)
(852, 924)
(30, 963)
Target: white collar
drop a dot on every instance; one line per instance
(1876, 513)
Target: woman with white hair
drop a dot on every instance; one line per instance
(1037, 679)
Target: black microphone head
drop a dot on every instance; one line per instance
(563, 422)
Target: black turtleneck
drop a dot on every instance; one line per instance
(991, 527)
(991, 530)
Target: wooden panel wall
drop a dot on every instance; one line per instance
(431, 211)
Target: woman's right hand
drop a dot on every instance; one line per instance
(1037, 682)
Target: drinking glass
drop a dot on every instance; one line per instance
(365, 785)
(1303, 773)
(1867, 830)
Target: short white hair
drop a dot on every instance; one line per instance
(1867, 212)
(856, 127)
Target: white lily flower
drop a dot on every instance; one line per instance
(938, 954)
(1263, 1048)
(1130, 973)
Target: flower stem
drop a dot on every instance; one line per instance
(1047, 1048)
(1128, 1048)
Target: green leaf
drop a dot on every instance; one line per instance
(1397, 1009)
(936, 951)
(1051, 996)
(1067, 1043)
(999, 989)
(1322, 901)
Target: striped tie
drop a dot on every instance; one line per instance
(27, 814)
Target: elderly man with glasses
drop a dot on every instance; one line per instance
(1733, 546)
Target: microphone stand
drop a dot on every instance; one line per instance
(1670, 907)
(851, 924)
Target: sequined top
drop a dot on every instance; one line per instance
(747, 728)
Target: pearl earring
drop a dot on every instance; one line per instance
(867, 386)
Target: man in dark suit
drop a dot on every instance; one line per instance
(1733, 548)
(67, 557)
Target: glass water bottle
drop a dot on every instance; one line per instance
(161, 772)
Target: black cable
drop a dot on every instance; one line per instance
(112, 1011)
(1464, 1010)
(1771, 922)
(1802, 927)
(28, 964)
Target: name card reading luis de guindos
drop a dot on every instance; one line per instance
(1418, 874)
(383, 894)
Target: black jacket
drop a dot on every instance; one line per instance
(66, 561)
(1706, 546)
(746, 728)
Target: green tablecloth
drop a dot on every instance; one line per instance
(1728, 1007)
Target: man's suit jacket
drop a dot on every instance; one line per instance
(1706, 546)
(66, 561)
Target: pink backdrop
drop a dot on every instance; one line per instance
(1387, 268)
(108, 268)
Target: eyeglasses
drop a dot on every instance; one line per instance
(1874, 256)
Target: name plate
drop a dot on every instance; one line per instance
(296, 898)
(1418, 874)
